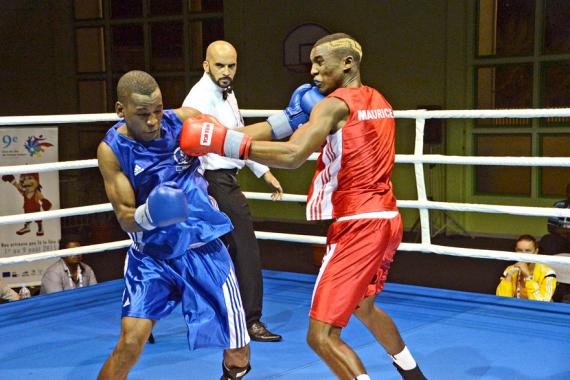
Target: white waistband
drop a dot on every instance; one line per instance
(370, 215)
(139, 246)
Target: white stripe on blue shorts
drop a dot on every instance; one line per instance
(236, 316)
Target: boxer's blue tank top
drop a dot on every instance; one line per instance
(147, 164)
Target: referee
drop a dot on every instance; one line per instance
(213, 95)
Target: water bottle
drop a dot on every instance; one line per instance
(24, 292)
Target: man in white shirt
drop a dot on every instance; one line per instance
(68, 272)
(213, 95)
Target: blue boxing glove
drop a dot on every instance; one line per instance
(310, 99)
(284, 123)
(166, 204)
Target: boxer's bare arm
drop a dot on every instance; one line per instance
(184, 113)
(327, 117)
(259, 131)
(118, 188)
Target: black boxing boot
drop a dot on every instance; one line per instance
(234, 373)
(411, 374)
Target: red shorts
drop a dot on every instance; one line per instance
(359, 254)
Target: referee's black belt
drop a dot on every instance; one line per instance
(227, 171)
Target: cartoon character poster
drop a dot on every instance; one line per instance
(24, 193)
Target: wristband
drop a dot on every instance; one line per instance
(142, 219)
(280, 127)
(246, 147)
(233, 144)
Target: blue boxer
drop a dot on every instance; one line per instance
(183, 262)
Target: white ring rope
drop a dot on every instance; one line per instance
(483, 114)
(93, 118)
(400, 159)
(307, 239)
(421, 205)
(482, 160)
(58, 119)
(408, 114)
(418, 159)
(87, 249)
(49, 167)
(54, 214)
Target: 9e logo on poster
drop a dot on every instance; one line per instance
(7, 140)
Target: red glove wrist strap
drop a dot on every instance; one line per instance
(245, 147)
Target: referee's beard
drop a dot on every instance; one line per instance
(225, 83)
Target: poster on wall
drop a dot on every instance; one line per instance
(27, 193)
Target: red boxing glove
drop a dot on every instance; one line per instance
(204, 134)
(8, 178)
(46, 204)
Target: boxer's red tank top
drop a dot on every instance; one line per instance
(353, 170)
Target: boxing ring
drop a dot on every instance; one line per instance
(452, 334)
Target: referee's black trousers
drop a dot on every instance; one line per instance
(242, 244)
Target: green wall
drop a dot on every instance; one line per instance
(415, 53)
(403, 58)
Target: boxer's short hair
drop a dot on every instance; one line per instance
(342, 44)
(135, 82)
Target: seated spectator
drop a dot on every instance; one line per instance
(527, 280)
(558, 238)
(7, 294)
(68, 272)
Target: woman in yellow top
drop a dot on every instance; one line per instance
(527, 280)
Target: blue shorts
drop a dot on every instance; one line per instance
(203, 280)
